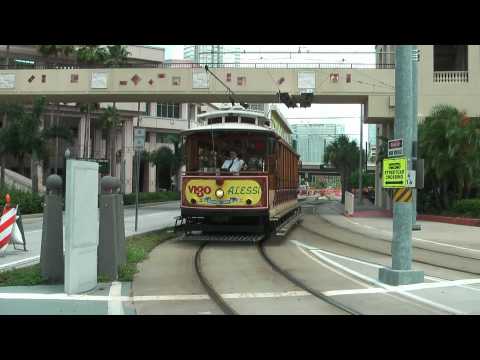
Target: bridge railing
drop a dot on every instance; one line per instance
(202, 65)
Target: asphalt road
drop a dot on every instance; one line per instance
(149, 218)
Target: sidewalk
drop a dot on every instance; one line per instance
(105, 299)
(462, 236)
(142, 205)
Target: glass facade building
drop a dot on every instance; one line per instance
(204, 54)
(312, 139)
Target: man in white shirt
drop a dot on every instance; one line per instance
(234, 164)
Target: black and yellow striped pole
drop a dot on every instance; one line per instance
(403, 195)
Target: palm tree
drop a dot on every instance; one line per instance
(116, 55)
(109, 122)
(23, 135)
(344, 155)
(450, 144)
(91, 54)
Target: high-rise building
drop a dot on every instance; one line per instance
(312, 139)
(204, 54)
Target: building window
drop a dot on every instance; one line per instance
(168, 110)
(450, 58)
(148, 109)
(147, 137)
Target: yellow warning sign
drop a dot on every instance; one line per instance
(395, 173)
(403, 195)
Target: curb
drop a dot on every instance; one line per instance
(450, 220)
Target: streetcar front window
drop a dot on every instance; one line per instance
(209, 151)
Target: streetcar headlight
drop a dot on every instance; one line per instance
(219, 193)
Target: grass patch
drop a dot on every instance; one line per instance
(26, 276)
(138, 248)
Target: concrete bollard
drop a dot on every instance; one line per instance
(111, 246)
(51, 255)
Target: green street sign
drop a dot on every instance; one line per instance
(395, 173)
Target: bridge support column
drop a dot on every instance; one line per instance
(84, 137)
(128, 155)
(152, 169)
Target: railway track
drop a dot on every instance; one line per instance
(302, 285)
(212, 293)
(216, 297)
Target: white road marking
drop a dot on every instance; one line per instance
(333, 269)
(114, 296)
(397, 289)
(359, 291)
(355, 292)
(266, 295)
(18, 262)
(432, 278)
(115, 306)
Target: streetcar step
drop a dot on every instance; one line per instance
(223, 237)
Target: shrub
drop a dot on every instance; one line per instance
(29, 203)
(468, 207)
(129, 199)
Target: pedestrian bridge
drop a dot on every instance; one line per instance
(184, 83)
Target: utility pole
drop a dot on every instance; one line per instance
(360, 168)
(401, 272)
(415, 156)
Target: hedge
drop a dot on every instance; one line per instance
(467, 207)
(152, 197)
(29, 203)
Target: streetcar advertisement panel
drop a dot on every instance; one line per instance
(224, 193)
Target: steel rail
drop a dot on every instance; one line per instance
(212, 293)
(302, 285)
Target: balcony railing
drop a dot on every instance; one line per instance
(202, 65)
(450, 76)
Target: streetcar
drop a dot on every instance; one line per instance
(241, 178)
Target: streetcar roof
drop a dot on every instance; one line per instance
(230, 127)
(233, 112)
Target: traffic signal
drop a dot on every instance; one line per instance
(305, 100)
(288, 100)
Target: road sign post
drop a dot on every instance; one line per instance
(401, 271)
(139, 145)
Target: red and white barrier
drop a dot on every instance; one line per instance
(9, 230)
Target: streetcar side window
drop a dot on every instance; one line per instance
(231, 119)
(248, 120)
(215, 120)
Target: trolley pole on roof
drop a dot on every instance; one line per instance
(401, 272)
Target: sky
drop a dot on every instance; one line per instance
(346, 114)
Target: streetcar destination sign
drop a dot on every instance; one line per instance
(395, 147)
(395, 173)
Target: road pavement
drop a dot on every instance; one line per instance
(149, 218)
